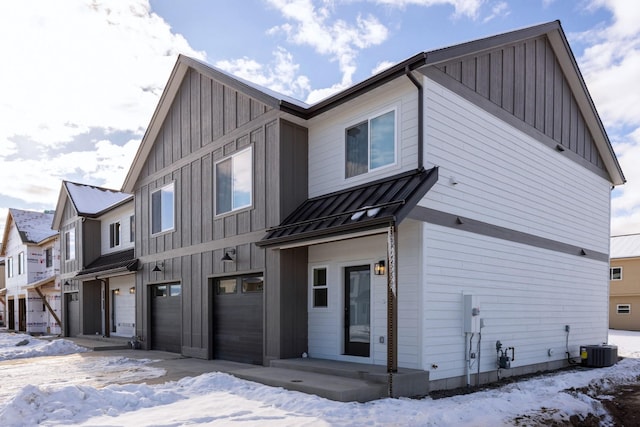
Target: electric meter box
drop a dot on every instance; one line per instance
(471, 314)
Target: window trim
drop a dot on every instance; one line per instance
(313, 287)
(215, 182)
(115, 234)
(367, 119)
(624, 311)
(132, 228)
(172, 184)
(611, 273)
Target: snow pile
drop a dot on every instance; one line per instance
(218, 399)
(20, 346)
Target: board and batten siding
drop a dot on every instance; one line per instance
(506, 178)
(526, 80)
(207, 122)
(327, 136)
(526, 296)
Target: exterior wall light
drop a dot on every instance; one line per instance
(379, 268)
(132, 290)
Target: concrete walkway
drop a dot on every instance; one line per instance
(340, 381)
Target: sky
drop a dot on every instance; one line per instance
(81, 78)
(52, 383)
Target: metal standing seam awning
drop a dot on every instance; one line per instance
(114, 263)
(371, 206)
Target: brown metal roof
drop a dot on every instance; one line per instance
(365, 207)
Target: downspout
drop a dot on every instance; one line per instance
(392, 304)
(420, 116)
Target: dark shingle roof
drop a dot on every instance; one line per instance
(365, 207)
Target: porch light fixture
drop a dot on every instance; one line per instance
(157, 269)
(228, 256)
(132, 290)
(116, 291)
(379, 268)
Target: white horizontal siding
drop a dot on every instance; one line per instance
(526, 296)
(121, 214)
(509, 179)
(327, 136)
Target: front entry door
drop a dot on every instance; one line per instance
(357, 310)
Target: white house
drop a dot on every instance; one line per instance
(32, 263)
(449, 215)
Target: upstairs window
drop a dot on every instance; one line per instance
(162, 209)
(234, 182)
(10, 266)
(21, 266)
(615, 273)
(48, 257)
(114, 234)
(371, 144)
(70, 245)
(132, 228)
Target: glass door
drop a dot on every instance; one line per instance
(357, 310)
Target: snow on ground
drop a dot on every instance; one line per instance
(220, 399)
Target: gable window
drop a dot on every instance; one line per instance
(624, 308)
(132, 228)
(21, 263)
(615, 273)
(114, 234)
(234, 181)
(70, 245)
(162, 209)
(371, 144)
(10, 266)
(48, 257)
(320, 289)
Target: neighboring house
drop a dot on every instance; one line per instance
(3, 295)
(624, 285)
(31, 251)
(454, 200)
(98, 260)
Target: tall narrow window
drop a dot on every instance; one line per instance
(132, 228)
(320, 290)
(162, 209)
(70, 245)
(370, 144)
(114, 234)
(48, 257)
(21, 266)
(10, 266)
(234, 182)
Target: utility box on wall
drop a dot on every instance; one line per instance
(471, 314)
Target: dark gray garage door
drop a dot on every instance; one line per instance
(166, 319)
(237, 319)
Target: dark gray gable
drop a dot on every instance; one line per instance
(203, 111)
(524, 79)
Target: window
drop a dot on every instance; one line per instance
(21, 269)
(615, 273)
(70, 245)
(48, 257)
(624, 308)
(10, 266)
(234, 181)
(252, 284)
(162, 209)
(320, 290)
(114, 234)
(132, 228)
(246, 284)
(371, 144)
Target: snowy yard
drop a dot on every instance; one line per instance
(50, 383)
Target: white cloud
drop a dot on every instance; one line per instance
(468, 8)
(499, 9)
(71, 67)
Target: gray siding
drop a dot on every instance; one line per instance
(206, 122)
(526, 81)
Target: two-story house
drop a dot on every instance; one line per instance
(31, 251)
(97, 260)
(413, 220)
(624, 285)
